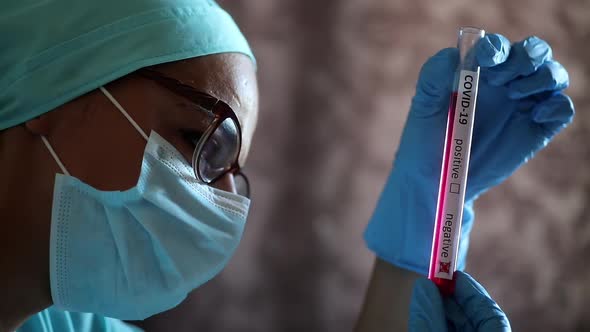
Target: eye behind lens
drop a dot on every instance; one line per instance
(191, 136)
(219, 153)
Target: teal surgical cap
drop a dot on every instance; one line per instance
(52, 51)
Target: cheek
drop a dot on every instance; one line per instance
(103, 150)
(171, 127)
(174, 136)
(153, 110)
(226, 183)
(174, 123)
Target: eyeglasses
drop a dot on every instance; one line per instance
(217, 150)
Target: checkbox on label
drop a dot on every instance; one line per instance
(454, 189)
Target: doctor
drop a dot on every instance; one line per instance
(123, 129)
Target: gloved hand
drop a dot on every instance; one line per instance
(469, 309)
(520, 107)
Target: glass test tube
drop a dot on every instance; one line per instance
(455, 164)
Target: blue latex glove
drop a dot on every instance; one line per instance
(469, 309)
(520, 107)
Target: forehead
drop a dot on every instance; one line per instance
(230, 77)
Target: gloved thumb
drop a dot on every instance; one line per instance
(435, 83)
(426, 308)
(475, 302)
(492, 50)
(554, 113)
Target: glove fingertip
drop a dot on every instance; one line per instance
(492, 50)
(424, 283)
(538, 50)
(466, 286)
(498, 323)
(557, 110)
(443, 59)
(559, 74)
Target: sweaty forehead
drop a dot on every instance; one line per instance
(230, 77)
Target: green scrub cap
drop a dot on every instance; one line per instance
(52, 51)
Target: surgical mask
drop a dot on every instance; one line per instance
(134, 253)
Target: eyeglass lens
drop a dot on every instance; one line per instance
(220, 151)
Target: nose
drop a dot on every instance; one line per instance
(225, 183)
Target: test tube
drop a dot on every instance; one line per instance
(455, 164)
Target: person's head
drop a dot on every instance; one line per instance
(172, 66)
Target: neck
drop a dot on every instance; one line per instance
(11, 321)
(25, 210)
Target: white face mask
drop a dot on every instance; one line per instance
(131, 254)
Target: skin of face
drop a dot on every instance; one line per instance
(99, 146)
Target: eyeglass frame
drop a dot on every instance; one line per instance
(220, 110)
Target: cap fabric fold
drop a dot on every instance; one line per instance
(52, 51)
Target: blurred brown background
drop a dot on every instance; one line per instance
(336, 78)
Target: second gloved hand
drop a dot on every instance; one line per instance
(469, 309)
(520, 107)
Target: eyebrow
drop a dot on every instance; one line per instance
(199, 98)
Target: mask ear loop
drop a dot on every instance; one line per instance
(120, 108)
(54, 155)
